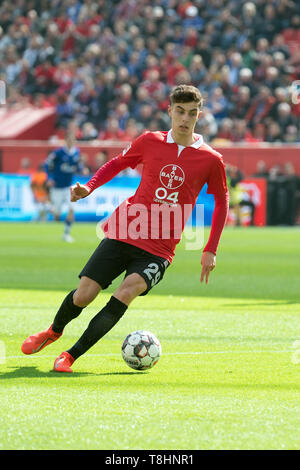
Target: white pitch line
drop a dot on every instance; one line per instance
(186, 353)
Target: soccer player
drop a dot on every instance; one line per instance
(176, 165)
(60, 166)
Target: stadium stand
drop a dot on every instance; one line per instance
(106, 68)
(107, 61)
(27, 122)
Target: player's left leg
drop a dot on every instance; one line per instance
(131, 287)
(71, 307)
(143, 272)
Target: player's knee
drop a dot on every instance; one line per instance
(130, 288)
(83, 298)
(86, 292)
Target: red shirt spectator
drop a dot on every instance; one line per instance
(261, 106)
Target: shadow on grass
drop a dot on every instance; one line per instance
(32, 372)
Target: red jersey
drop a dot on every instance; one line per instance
(171, 180)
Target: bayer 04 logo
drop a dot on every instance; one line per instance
(141, 350)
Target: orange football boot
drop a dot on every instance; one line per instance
(63, 362)
(39, 341)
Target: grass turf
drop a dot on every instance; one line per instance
(226, 379)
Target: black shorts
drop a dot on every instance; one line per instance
(112, 257)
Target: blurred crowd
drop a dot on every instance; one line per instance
(283, 193)
(108, 65)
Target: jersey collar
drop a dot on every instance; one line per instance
(70, 151)
(195, 145)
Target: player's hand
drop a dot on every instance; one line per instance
(79, 191)
(208, 262)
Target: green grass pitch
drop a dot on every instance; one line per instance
(229, 375)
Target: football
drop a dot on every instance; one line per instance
(141, 350)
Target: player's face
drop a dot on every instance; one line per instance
(70, 141)
(184, 117)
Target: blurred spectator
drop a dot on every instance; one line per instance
(131, 131)
(89, 132)
(225, 131)
(112, 131)
(292, 193)
(246, 79)
(273, 132)
(284, 117)
(42, 101)
(86, 167)
(64, 110)
(258, 133)
(240, 103)
(235, 65)
(40, 192)
(207, 125)
(93, 58)
(145, 115)
(291, 135)
(100, 158)
(218, 104)
(122, 115)
(281, 96)
(44, 78)
(261, 106)
(283, 195)
(272, 78)
(240, 131)
(26, 167)
(197, 69)
(31, 54)
(261, 170)
(238, 199)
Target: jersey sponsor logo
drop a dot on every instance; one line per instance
(172, 176)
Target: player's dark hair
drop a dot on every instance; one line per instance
(185, 94)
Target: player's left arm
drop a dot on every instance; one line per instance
(130, 157)
(217, 185)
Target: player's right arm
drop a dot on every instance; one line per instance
(217, 185)
(130, 157)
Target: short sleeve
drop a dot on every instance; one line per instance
(217, 181)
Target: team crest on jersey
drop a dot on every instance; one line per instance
(172, 176)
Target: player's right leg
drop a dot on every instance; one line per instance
(70, 216)
(70, 308)
(55, 203)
